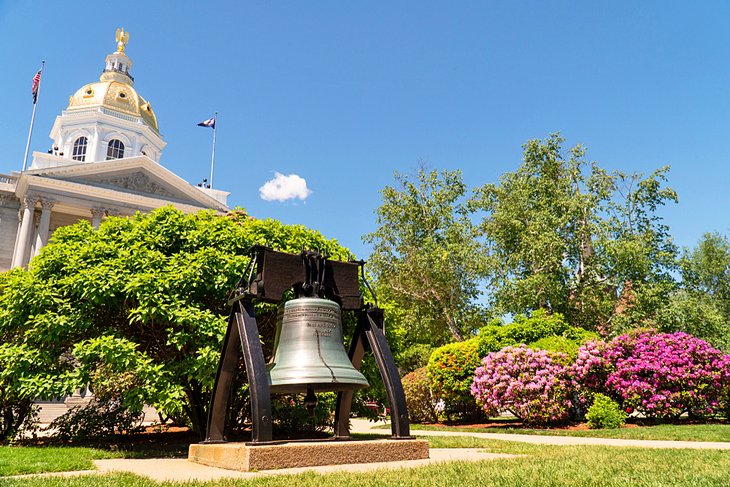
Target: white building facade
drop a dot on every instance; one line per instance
(104, 161)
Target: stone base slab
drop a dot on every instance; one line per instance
(239, 456)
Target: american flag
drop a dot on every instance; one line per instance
(36, 85)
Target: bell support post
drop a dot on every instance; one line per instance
(241, 326)
(369, 331)
(389, 372)
(223, 381)
(258, 381)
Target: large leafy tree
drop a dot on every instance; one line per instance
(427, 258)
(566, 236)
(702, 304)
(706, 270)
(144, 296)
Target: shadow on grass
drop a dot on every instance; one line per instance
(159, 444)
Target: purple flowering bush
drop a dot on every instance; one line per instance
(661, 375)
(588, 374)
(528, 383)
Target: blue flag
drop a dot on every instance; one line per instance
(208, 123)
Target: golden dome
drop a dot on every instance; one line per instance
(117, 96)
(114, 89)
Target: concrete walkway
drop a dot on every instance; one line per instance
(180, 469)
(364, 426)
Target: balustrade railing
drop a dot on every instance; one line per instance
(105, 111)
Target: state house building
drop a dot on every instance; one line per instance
(104, 161)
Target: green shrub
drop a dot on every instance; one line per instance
(100, 419)
(605, 413)
(293, 420)
(557, 344)
(419, 398)
(414, 357)
(16, 406)
(496, 335)
(115, 409)
(529, 330)
(451, 370)
(157, 283)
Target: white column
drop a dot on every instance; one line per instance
(96, 214)
(17, 233)
(44, 225)
(26, 228)
(30, 251)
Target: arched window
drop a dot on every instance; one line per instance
(79, 152)
(115, 149)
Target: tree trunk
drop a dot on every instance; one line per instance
(197, 411)
(454, 329)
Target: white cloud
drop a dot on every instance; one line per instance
(283, 188)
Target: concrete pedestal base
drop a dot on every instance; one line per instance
(239, 456)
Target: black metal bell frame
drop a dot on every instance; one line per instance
(271, 274)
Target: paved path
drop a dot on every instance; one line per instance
(179, 469)
(364, 426)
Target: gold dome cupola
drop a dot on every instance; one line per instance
(118, 64)
(108, 119)
(114, 90)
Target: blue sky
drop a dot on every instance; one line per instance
(344, 93)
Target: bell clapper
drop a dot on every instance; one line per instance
(310, 400)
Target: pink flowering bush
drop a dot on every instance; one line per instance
(588, 374)
(528, 383)
(660, 375)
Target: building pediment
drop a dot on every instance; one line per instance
(137, 182)
(136, 176)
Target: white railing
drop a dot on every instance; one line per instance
(7, 179)
(105, 111)
(123, 116)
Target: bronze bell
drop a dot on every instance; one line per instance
(309, 353)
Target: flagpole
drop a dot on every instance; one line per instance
(212, 157)
(32, 117)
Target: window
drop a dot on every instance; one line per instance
(79, 152)
(115, 149)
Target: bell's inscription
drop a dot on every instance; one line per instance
(323, 319)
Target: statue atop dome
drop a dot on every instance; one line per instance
(122, 39)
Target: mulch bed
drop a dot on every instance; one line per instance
(516, 424)
(519, 425)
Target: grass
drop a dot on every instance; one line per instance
(18, 460)
(539, 465)
(672, 432)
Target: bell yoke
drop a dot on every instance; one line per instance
(309, 354)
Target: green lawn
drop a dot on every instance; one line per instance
(18, 460)
(683, 432)
(540, 465)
